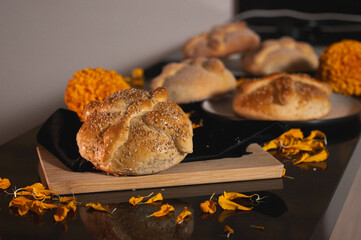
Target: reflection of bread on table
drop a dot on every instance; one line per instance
(282, 55)
(222, 41)
(135, 132)
(195, 79)
(288, 97)
(128, 222)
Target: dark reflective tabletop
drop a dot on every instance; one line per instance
(292, 208)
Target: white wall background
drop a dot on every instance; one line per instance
(43, 42)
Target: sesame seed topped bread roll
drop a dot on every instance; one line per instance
(282, 55)
(282, 96)
(195, 79)
(135, 132)
(222, 41)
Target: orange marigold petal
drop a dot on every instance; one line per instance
(135, 200)
(4, 183)
(208, 206)
(185, 213)
(164, 210)
(96, 206)
(157, 197)
(225, 201)
(61, 213)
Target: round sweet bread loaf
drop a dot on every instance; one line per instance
(222, 41)
(282, 96)
(195, 79)
(280, 55)
(135, 132)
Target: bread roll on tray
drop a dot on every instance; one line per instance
(282, 96)
(222, 41)
(280, 55)
(195, 79)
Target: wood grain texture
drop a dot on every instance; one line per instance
(258, 165)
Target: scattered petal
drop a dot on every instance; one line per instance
(293, 144)
(61, 213)
(22, 204)
(183, 215)
(4, 183)
(225, 201)
(157, 197)
(39, 207)
(318, 157)
(208, 206)
(66, 199)
(135, 200)
(164, 210)
(97, 206)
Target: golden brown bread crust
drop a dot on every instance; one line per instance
(135, 132)
(282, 96)
(222, 41)
(195, 79)
(282, 55)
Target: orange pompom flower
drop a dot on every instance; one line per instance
(91, 85)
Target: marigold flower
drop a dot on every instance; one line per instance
(4, 183)
(185, 213)
(91, 85)
(340, 65)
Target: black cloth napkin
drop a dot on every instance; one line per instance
(216, 139)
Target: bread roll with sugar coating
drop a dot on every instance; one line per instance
(282, 55)
(282, 96)
(195, 79)
(222, 41)
(135, 132)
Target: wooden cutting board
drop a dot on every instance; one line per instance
(255, 166)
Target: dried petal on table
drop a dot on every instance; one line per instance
(209, 206)
(22, 204)
(292, 143)
(225, 201)
(4, 183)
(164, 210)
(96, 206)
(185, 213)
(135, 200)
(157, 197)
